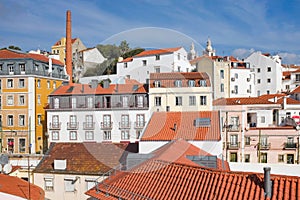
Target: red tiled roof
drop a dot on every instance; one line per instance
(296, 90)
(286, 75)
(177, 151)
(9, 54)
(19, 187)
(157, 51)
(129, 59)
(59, 42)
(162, 180)
(84, 89)
(161, 126)
(241, 101)
(288, 101)
(85, 158)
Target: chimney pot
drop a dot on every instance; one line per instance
(267, 182)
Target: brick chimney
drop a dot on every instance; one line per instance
(68, 61)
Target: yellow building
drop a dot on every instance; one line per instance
(26, 81)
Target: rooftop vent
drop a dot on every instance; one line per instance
(60, 164)
(202, 122)
(206, 161)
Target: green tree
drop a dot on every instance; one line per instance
(124, 47)
(13, 47)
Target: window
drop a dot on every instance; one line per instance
(90, 183)
(10, 120)
(157, 57)
(258, 70)
(125, 135)
(54, 84)
(125, 121)
(202, 83)
(236, 89)
(140, 101)
(125, 101)
(22, 67)
(10, 68)
(22, 145)
(264, 158)
(107, 121)
(21, 120)
(222, 87)
(203, 100)
(73, 121)
(138, 134)
(222, 74)
(247, 158)
(157, 101)
(262, 119)
(21, 83)
(10, 100)
(39, 99)
(0, 84)
(234, 140)
(290, 158)
(48, 84)
(191, 83)
(236, 75)
(178, 101)
(269, 69)
(247, 140)
(1, 67)
(157, 84)
(144, 62)
(39, 119)
(192, 100)
(269, 80)
(178, 83)
(140, 120)
(258, 81)
(38, 83)
(106, 135)
(178, 68)
(125, 65)
(157, 69)
(56, 103)
(89, 121)
(49, 186)
(178, 56)
(89, 135)
(280, 158)
(73, 102)
(73, 135)
(55, 121)
(55, 135)
(233, 157)
(69, 184)
(264, 141)
(10, 83)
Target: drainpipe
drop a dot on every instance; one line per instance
(267, 182)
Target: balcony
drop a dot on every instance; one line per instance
(55, 126)
(232, 146)
(72, 125)
(139, 124)
(265, 146)
(106, 125)
(124, 125)
(290, 145)
(88, 125)
(233, 128)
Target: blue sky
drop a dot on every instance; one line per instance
(235, 27)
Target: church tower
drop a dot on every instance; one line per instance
(192, 54)
(209, 50)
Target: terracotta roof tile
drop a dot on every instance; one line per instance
(19, 187)
(241, 101)
(161, 180)
(179, 75)
(177, 151)
(85, 158)
(157, 52)
(129, 59)
(9, 54)
(296, 90)
(161, 126)
(84, 89)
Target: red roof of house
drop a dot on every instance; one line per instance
(9, 54)
(166, 126)
(157, 179)
(157, 52)
(85, 158)
(179, 75)
(19, 187)
(241, 101)
(129, 59)
(296, 90)
(59, 42)
(84, 89)
(177, 151)
(286, 75)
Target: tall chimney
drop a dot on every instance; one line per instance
(267, 182)
(69, 47)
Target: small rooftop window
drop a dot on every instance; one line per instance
(202, 122)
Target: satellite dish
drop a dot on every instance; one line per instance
(7, 168)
